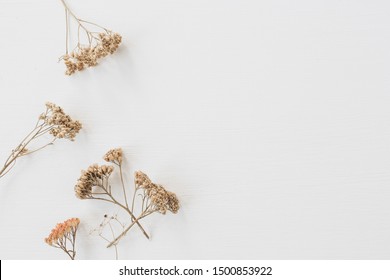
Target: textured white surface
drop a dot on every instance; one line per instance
(269, 119)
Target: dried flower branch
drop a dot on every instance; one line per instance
(53, 121)
(154, 198)
(94, 183)
(63, 234)
(98, 44)
(109, 222)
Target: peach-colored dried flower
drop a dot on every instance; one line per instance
(63, 234)
(61, 230)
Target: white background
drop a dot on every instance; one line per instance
(269, 119)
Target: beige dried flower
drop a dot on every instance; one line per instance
(63, 234)
(94, 176)
(62, 125)
(98, 44)
(173, 203)
(114, 156)
(142, 180)
(53, 121)
(95, 184)
(160, 199)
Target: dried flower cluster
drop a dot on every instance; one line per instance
(114, 156)
(88, 56)
(63, 234)
(61, 125)
(94, 183)
(95, 175)
(161, 200)
(53, 121)
(97, 45)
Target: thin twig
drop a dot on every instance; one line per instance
(123, 185)
(127, 229)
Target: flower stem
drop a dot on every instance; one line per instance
(134, 219)
(143, 215)
(123, 185)
(19, 149)
(74, 16)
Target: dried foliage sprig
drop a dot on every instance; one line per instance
(63, 237)
(53, 121)
(95, 183)
(96, 44)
